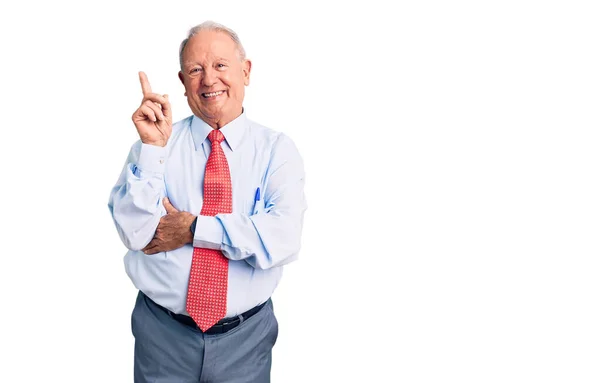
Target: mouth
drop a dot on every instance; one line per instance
(213, 95)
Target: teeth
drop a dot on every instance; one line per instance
(213, 94)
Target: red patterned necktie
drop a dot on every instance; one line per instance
(207, 288)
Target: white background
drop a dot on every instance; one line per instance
(451, 151)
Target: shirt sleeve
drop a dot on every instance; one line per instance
(271, 237)
(136, 200)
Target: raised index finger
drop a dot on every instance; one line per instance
(146, 88)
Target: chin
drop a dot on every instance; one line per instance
(210, 114)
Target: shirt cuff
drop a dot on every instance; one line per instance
(152, 158)
(209, 233)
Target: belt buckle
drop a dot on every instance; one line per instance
(231, 324)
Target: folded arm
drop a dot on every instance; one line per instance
(136, 200)
(272, 236)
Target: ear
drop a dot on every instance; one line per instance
(180, 75)
(246, 67)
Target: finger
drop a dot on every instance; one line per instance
(150, 245)
(155, 108)
(162, 100)
(166, 106)
(146, 88)
(153, 246)
(148, 112)
(152, 250)
(155, 97)
(170, 208)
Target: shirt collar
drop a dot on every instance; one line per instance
(233, 131)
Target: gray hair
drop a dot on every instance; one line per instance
(212, 26)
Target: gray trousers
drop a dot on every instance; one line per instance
(167, 351)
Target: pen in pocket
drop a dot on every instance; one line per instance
(256, 201)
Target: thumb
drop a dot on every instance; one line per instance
(168, 206)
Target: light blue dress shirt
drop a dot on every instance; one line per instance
(258, 238)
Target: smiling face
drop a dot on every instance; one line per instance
(214, 77)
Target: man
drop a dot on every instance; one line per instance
(210, 209)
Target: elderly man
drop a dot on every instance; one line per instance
(210, 208)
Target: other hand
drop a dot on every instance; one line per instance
(173, 230)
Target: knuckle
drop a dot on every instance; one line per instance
(154, 97)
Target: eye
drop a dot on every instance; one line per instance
(221, 66)
(195, 70)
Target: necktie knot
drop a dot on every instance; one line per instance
(216, 136)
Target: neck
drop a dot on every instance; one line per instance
(219, 122)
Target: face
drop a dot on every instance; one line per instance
(214, 77)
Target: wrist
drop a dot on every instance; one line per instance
(193, 226)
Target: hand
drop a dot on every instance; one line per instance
(153, 119)
(173, 230)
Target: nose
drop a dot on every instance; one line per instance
(209, 77)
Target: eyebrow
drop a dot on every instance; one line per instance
(196, 62)
(193, 63)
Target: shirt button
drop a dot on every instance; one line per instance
(162, 161)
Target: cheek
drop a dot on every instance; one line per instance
(192, 84)
(193, 87)
(236, 86)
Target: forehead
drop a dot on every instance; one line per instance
(208, 44)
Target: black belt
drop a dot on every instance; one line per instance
(221, 326)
